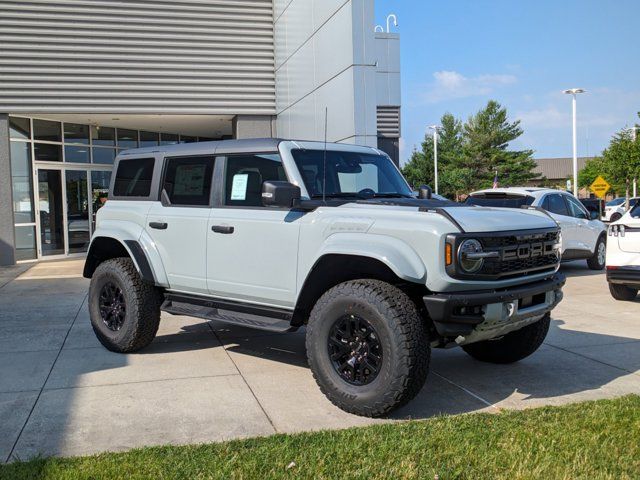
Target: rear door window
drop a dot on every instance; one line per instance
(187, 180)
(575, 208)
(133, 178)
(554, 203)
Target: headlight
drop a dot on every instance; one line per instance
(470, 256)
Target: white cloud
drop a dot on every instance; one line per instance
(553, 117)
(449, 85)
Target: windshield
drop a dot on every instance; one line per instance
(615, 202)
(349, 174)
(635, 211)
(499, 200)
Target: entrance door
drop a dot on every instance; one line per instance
(51, 212)
(78, 234)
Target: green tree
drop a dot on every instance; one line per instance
(419, 169)
(591, 170)
(457, 181)
(486, 139)
(621, 160)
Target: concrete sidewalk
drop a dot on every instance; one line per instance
(62, 393)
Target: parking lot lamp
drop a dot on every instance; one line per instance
(574, 92)
(435, 155)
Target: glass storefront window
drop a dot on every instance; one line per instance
(127, 138)
(77, 211)
(104, 156)
(99, 191)
(19, 128)
(25, 242)
(76, 133)
(22, 182)
(148, 139)
(47, 131)
(75, 154)
(168, 139)
(47, 152)
(103, 136)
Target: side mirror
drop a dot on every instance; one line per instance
(277, 193)
(593, 215)
(425, 192)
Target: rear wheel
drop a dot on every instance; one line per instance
(622, 292)
(513, 346)
(367, 347)
(599, 258)
(124, 310)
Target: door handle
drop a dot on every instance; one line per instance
(224, 229)
(159, 225)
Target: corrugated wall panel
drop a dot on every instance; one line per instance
(114, 56)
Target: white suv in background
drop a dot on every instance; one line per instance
(623, 256)
(614, 210)
(583, 235)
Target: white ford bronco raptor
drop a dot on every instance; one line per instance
(276, 235)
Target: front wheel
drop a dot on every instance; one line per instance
(622, 292)
(599, 258)
(124, 310)
(367, 347)
(513, 346)
(615, 217)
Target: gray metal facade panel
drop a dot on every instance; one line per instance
(139, 56)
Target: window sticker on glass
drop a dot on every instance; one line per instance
(239, 186)
(189, 180)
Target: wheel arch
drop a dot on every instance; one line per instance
(105, 248)
(332, 269)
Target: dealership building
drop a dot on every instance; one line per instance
(81, 80)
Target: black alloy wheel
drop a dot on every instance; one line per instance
(113, 308)
(355, 350)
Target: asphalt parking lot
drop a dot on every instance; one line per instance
(62, 393)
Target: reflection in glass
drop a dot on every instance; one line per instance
(127, 138)
(168, 138)
(47, 152)
(25, 242)
(187, 139)
(77, 211)
(22, 182)
(103, 136)
(148, 139)
(99, 191)
(50, 205)
(19, 128)
(76, 154)
(105, 156)
(47, 130)
(76, 133)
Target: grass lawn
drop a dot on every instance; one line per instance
(589, 440)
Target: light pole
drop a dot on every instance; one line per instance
(634, 133)
(435, 155)
(574, 92)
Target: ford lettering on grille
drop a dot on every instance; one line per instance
(528, 250)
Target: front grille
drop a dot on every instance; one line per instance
(519, 253)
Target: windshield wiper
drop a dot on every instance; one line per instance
(337, 195)
(392, 195)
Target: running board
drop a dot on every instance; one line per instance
(235, 313)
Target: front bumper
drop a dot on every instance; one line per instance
(479, 315)
(624, 275)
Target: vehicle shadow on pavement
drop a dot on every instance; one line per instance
(579, 268)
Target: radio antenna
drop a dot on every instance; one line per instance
(324, 161)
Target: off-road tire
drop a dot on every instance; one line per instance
(615, 217)
(513, 346)
(142, 301)
(622, 292)
(402, 336)
(597, 262)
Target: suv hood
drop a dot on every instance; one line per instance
(490, 219)
(472, 218)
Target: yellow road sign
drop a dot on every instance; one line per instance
(600, 187)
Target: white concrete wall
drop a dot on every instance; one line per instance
(325, 58)
(388, 70)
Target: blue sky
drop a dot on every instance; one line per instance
(458, 54)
